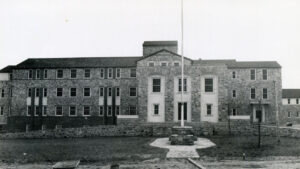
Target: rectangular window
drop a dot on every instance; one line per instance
(289, 101)
(265, 93)
(29, 92)
(101, 110)
(72, 111)
(2, 93)
(59, 92)
(101, 73)
(176, 64)
(37, 110)
(233, 75)
(30, 73)
(86, 110)
(110, 73)
(87, 73)
(45, 92)
(209, 85)
(265, 74)
(38, 74)
(1, 111)
(208, 109)
(118, 73)
(73, 73)
(45, 74)
(252, 74)
(59, 73)
(132, 110)
(233, 112)
(184, 85)
(298, 114)
(297, 101)
(29, 111)
(109, 111)
(117, 110)
(101, 91)
(156, 85)
(117, 91)
(59, 111)
(37, 92)
(109, 91)
(252, 93)
(156, 109)
(87, 92)
(44, 110)
(132, 72)
(132, 91)
(234, 93)
(163, 64)
(289, 114)
(151, 64)
(73, 92)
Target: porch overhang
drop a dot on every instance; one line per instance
(262, 103)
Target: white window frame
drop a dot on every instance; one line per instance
(38, 72)
(266, 74)
(117, 92)
(251, 74)
(251, 93)
(161, 64)
(57, 74)
(154, 109)
(117, 107)
(110, 76)
(102, 73)
(185, 85)
(30, 72)
(71, 91)
(213, 83)
(111, 112)
(211, 109)
(160, 86)
(75, 73)
(266, 93)
(89, 111)
(131, 73)
(45, 73)
(289, 114)
(43, 111)
(150, 64)
(90, 74)
(118, 76)
(130, 111)
(62, 92)
(101, 88)
(109, 92)
(1, 111)
(36, 92)
(35, 112)
(45, 91)
(176, 62)
(130, 91)
(70, 111)
(102, 111)
(90, 93)
(29, 92)
(28, 114)
(62, 111)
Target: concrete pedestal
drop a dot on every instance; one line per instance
(182, 136)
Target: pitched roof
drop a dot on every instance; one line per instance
(256, 64)
(160, 43)
(164, 50)
(87, 62)
(290, 93)
(7, 69)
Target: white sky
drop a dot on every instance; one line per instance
(214, 29)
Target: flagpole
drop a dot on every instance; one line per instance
(182, 67)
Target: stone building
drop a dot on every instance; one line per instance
(75, 92)
(290, 106)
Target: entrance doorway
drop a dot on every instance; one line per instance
(258, 115)
(184, 111)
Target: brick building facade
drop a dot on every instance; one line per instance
(74, 92)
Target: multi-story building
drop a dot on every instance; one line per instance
(290, 106)
(73, 92)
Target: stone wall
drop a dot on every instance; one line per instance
(294, 109)
(5, 101)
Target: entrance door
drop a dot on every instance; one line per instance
(184, 111)
(258, 115)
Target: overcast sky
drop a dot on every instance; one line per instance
(253, 30)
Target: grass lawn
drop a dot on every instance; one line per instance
(103, 150)
(233, 146)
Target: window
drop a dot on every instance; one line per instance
(289, 101)
(289, 114)
(184, 85)
(118, 73)
(101, 91)
(132, 72)
(73, 73)
(234, 93)
(86, 110)
(156, 85)
(73, 92)
(87, 73)
(234, 113)
(151, 64)
(252, 74)
(101, 110)
(109, 91)
(265, 74)
(30, 72)
(37, 92)
(1, 111)
(233, 75)
(117, 110)
(59, 73)
(117, 91)
(176, 64)
(132, 91)
(29, 111)
(37, 110)
(101, 73)
(297, 101)
(45, 92)
(265, 93)
(38, 74)
(29, 92)
(59, 111)
(109, 111)
(163, 64)
(132, 110)
(252, 93)
(10, 76)
(59, 92)
(208, 109)
(87, 92)
(156, 109)
(2, 93)
(45, 74)
(44, 110)
(72, 111)
(209, 85)
(110, 73)
(298, 114)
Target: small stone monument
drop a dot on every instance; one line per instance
(182, 135)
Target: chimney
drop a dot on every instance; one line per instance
(150, 47)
